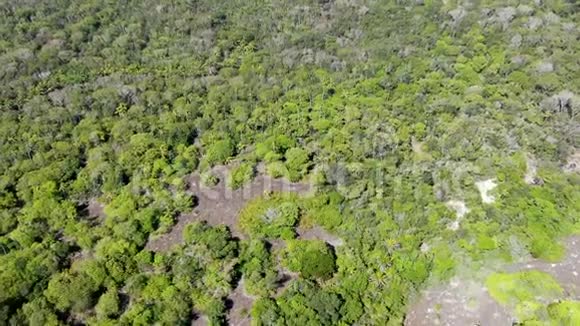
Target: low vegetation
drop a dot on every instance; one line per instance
(390, 109)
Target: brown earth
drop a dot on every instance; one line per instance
(220, 205)
(318, 233)
(239, 304)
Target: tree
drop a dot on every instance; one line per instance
(297, 162)
(219, 152)
(71, 291)
(108, 305)
(240, 175)
(313, 259)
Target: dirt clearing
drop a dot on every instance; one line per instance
(318, 233)
(220, 205)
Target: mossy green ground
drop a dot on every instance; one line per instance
(534, 297)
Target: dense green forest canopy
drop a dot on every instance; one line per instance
(395, 111)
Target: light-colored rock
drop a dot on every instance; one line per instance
(561, 102)
(545, 67)
(573, 163)
(460, 210)
(551, 18)
(516, 41)
(457, 14)
(453, 226)
(484, 188)
(525, 10)
(506, 15)
(569, 27)
(534, 23)
(459, 207)
(519, 60)
(531, 176)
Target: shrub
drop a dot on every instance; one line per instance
(240, 175)
(313, 259)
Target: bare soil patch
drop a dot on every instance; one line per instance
(239, 304)
(467, 302)
(318, 233)
(199, 320)
(566, 272)
(220, 205)
(96, 209)
(461, 302)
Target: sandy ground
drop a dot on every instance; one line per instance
(221, 205)
(466, 302)
(460, 303)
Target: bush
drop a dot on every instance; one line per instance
(313, 259)
(209, 179)
(240, 175)
(219, 152)
(276, 169)
(517, 288)
(108, 304)
(270, 218)
(297, 162)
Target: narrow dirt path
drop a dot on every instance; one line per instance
(239, 304)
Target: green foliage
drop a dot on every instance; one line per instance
(297, 162)
(40, 313)
(564, 313)
(271, 217)
(209, 179)
(304, 303)
(311, 258)
(108, 304)
(217, 241)
(274, 147)
(527, 292)
(219, 152)
(277, 169)
(518, 288)
(258, 269)
(71, 291)
(240, 175)
(390, 118)
(324, 210)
